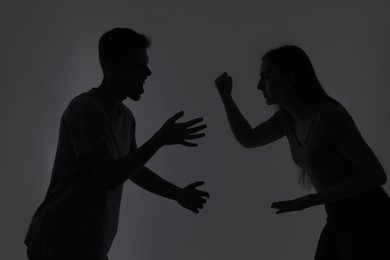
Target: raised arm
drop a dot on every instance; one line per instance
(263, 134)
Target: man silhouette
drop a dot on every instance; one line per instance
(97, 153)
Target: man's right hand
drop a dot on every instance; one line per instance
(179, 133)
(224, 84)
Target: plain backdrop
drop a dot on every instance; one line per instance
(49, 55)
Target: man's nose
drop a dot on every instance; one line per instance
(148, 72)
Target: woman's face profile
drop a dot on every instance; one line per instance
(274, 84)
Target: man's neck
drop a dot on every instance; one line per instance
(105, 93)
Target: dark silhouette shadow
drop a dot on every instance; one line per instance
(330, 151)
(97, 153)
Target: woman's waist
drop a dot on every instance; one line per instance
(373, 203)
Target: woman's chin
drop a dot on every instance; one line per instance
(267, 101)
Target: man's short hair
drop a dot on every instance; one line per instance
(118, 42)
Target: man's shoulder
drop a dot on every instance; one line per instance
(83, 103)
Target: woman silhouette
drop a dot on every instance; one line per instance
(330, 151)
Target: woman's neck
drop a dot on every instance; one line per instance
(302, 112)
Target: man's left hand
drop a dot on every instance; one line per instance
(192, 198)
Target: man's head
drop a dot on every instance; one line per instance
(124, 60)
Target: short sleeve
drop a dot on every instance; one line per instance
(339, 126)
(134, 145)
(89, 133)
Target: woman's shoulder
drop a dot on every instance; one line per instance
(333, 115)
(329, 109)
(338, 125)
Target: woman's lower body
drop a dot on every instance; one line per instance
(357, 229)
(336, 243)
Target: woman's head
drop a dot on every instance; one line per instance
(297, 70)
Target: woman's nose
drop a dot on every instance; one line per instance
(260, 85)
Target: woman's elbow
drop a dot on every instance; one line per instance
(383, 179)
(245, 142)
(380, 179)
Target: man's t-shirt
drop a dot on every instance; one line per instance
(319, 157)
(79, 216)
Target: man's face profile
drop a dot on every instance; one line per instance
(128, 75)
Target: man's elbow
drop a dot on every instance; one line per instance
(111, 185)
(116, 176)
(107, 181)
(107, 177)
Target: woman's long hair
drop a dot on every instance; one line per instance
(292, 59)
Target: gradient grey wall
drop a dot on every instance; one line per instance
(49, 55)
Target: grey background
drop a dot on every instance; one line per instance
(49, 55)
